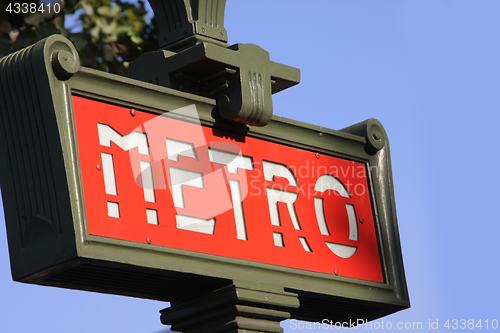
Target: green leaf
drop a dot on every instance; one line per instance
(89, 10)
(136, 39)
(104, 11)
(94, 32)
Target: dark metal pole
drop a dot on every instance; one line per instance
(237, 308)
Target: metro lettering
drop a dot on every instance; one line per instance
(232, 162)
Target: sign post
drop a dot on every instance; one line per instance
(178, 184)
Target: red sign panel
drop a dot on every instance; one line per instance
(178, 184)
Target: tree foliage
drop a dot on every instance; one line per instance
(108, 34)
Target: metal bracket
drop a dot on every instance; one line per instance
(240, 77)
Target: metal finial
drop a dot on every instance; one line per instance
(186, 21)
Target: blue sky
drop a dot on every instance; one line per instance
(429, 71)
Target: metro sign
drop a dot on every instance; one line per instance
(175, 183)
(114, 185)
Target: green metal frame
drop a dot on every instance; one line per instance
(45, 207)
